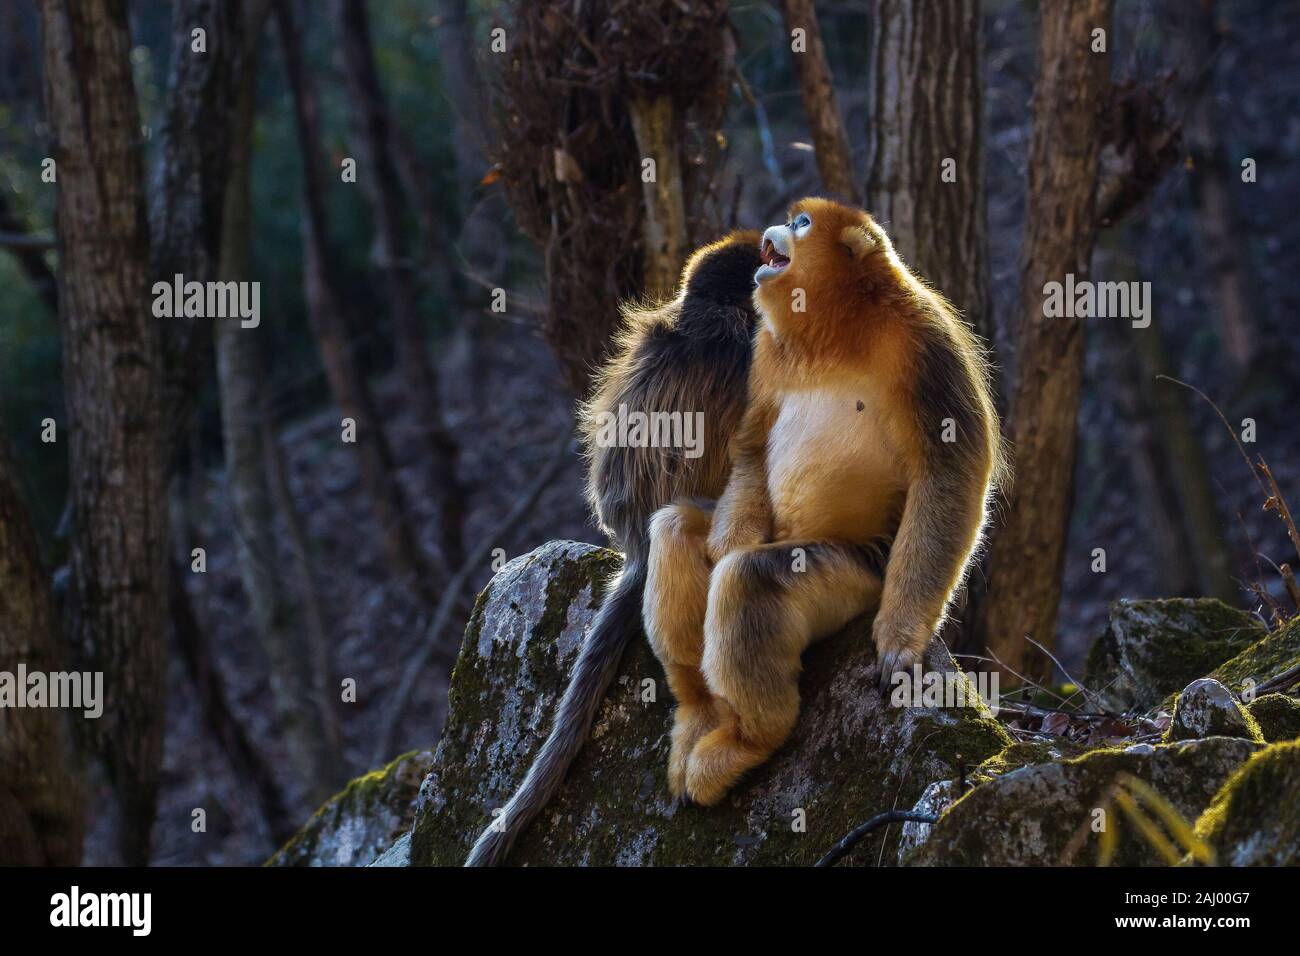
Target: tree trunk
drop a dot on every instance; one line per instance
(1185, 464)
(189, 184)
(331, 328)
(817, 86)
(112, 369)
(1217, 227)
(305, 719)
(482, 238)
(464, 92)
(42, 796)
(1148, 464)
(379, 177)
(664, 225)
(927, 126)
(1028, 549)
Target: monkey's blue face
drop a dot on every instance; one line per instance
(778, 246)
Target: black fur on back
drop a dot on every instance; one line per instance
(690, 354)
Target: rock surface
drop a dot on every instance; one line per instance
(1255, 819)
(1029, 816)
(1152, 649)
(1272, 655)
(363, 821)
(851, 755)
(1278, 717)
(1206, 708)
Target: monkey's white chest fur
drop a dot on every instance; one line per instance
(833, 470)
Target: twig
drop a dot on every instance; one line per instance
(451, 596)
(1223, 418)
(1037, 686)
(855, 836)
(764, 129)
(1034, 710)
(1275, 502)
(1257, 586)
(1068, 676)
(1288, 578)
(1281, 682)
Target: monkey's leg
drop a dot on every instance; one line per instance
(676, 593)
(765, 606)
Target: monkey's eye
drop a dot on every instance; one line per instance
(802, 223)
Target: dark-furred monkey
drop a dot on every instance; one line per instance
(688, 356)
(861, 478)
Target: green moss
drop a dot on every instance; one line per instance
(1152, 649)
(1028, 753)
(387, 792)
(850, 757)
(1267, 657)
(1029, 816)
(1277, 652)
(566, 581)
(1255, 818)
(477, 699)
(1278, 716)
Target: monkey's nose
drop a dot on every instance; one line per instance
(778, 237)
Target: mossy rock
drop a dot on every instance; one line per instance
(1206, 708)
(1255, 819)
(1027, 753)
(851, 755)
(1269, 657)
(1029, 817)
(1153, 649)
(1278, 717)
(358, 824)
(1272, 654)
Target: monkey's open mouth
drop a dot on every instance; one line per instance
(773, 259)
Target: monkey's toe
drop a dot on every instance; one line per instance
(896, 661)
(677, 776)
(680, 802)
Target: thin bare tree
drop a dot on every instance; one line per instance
(378, 175)
(820, 105)
(332, 327)
(291, 635)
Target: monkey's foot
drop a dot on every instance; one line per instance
(717, 762)
(690, 723)
(897, 650)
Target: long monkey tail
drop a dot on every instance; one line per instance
(617, 621)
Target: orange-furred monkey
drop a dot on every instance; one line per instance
(870, 431)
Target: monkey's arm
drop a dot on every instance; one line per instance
(744, 514)
(939, 530)
(945, 507)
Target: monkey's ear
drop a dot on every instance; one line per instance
(858, 241)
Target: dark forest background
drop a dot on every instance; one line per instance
(477, 170)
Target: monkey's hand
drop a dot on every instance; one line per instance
(899, 645)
